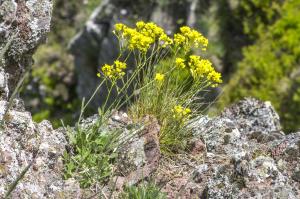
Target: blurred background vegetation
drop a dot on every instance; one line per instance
(50, 91)
(254, 43)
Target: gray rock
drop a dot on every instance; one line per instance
(23, 143)
(3, 84)
(139, 157)
(23, 27)
(252, 115)
(242, 165)
(26, 146)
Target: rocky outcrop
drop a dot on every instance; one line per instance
(23, 26)
(243, 154)
(140, 157)
(240, 154)
(30, 153)
(95, 45)
(37, 150)
(137, 152)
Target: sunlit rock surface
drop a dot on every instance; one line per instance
(24, 144)
(246, 155)
(23, 27)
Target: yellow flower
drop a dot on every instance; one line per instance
(140, 24)
(107, 70)
(146, 34)
(188, 38)
(179, 39)
(203, 68)
(143, 36)
(180, 63)
(137, 40)
(150, 30)
(119, 68)
(199, 67)
(181, 113)
(186, 111)
(114, 71)
(165, 40)
(159, 77)
(215, 77)
(178, 109)
(120, 27)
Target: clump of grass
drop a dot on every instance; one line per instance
(144, 191)
(91, 158)
(172, 82)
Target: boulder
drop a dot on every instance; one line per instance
(37, 150)
(30, 153)
(23, 26)
(246, 155)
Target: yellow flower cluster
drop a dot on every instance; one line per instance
(155, 32)
(120, 27)
(159, 77)
(215, 77)
(188, 38)
(180, 63)
(199, 67)
(203, 68)
(114, 71)
(143, 36)
(180, 112)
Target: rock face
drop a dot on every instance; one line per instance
(140, 156)
(24, 143)
(23, 26)
(246, 155)
(240, 154)
(95, 45)
(26, 147)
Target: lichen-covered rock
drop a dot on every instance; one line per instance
(247, 154)
(30, 154)
(3, 84)
(240, 154)
(139, 158)
(24, 143)
(252, 115)
(23, 26)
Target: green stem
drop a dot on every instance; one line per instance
(84, 106)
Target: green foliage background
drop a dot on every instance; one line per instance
(270, 67)
(50, 91)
